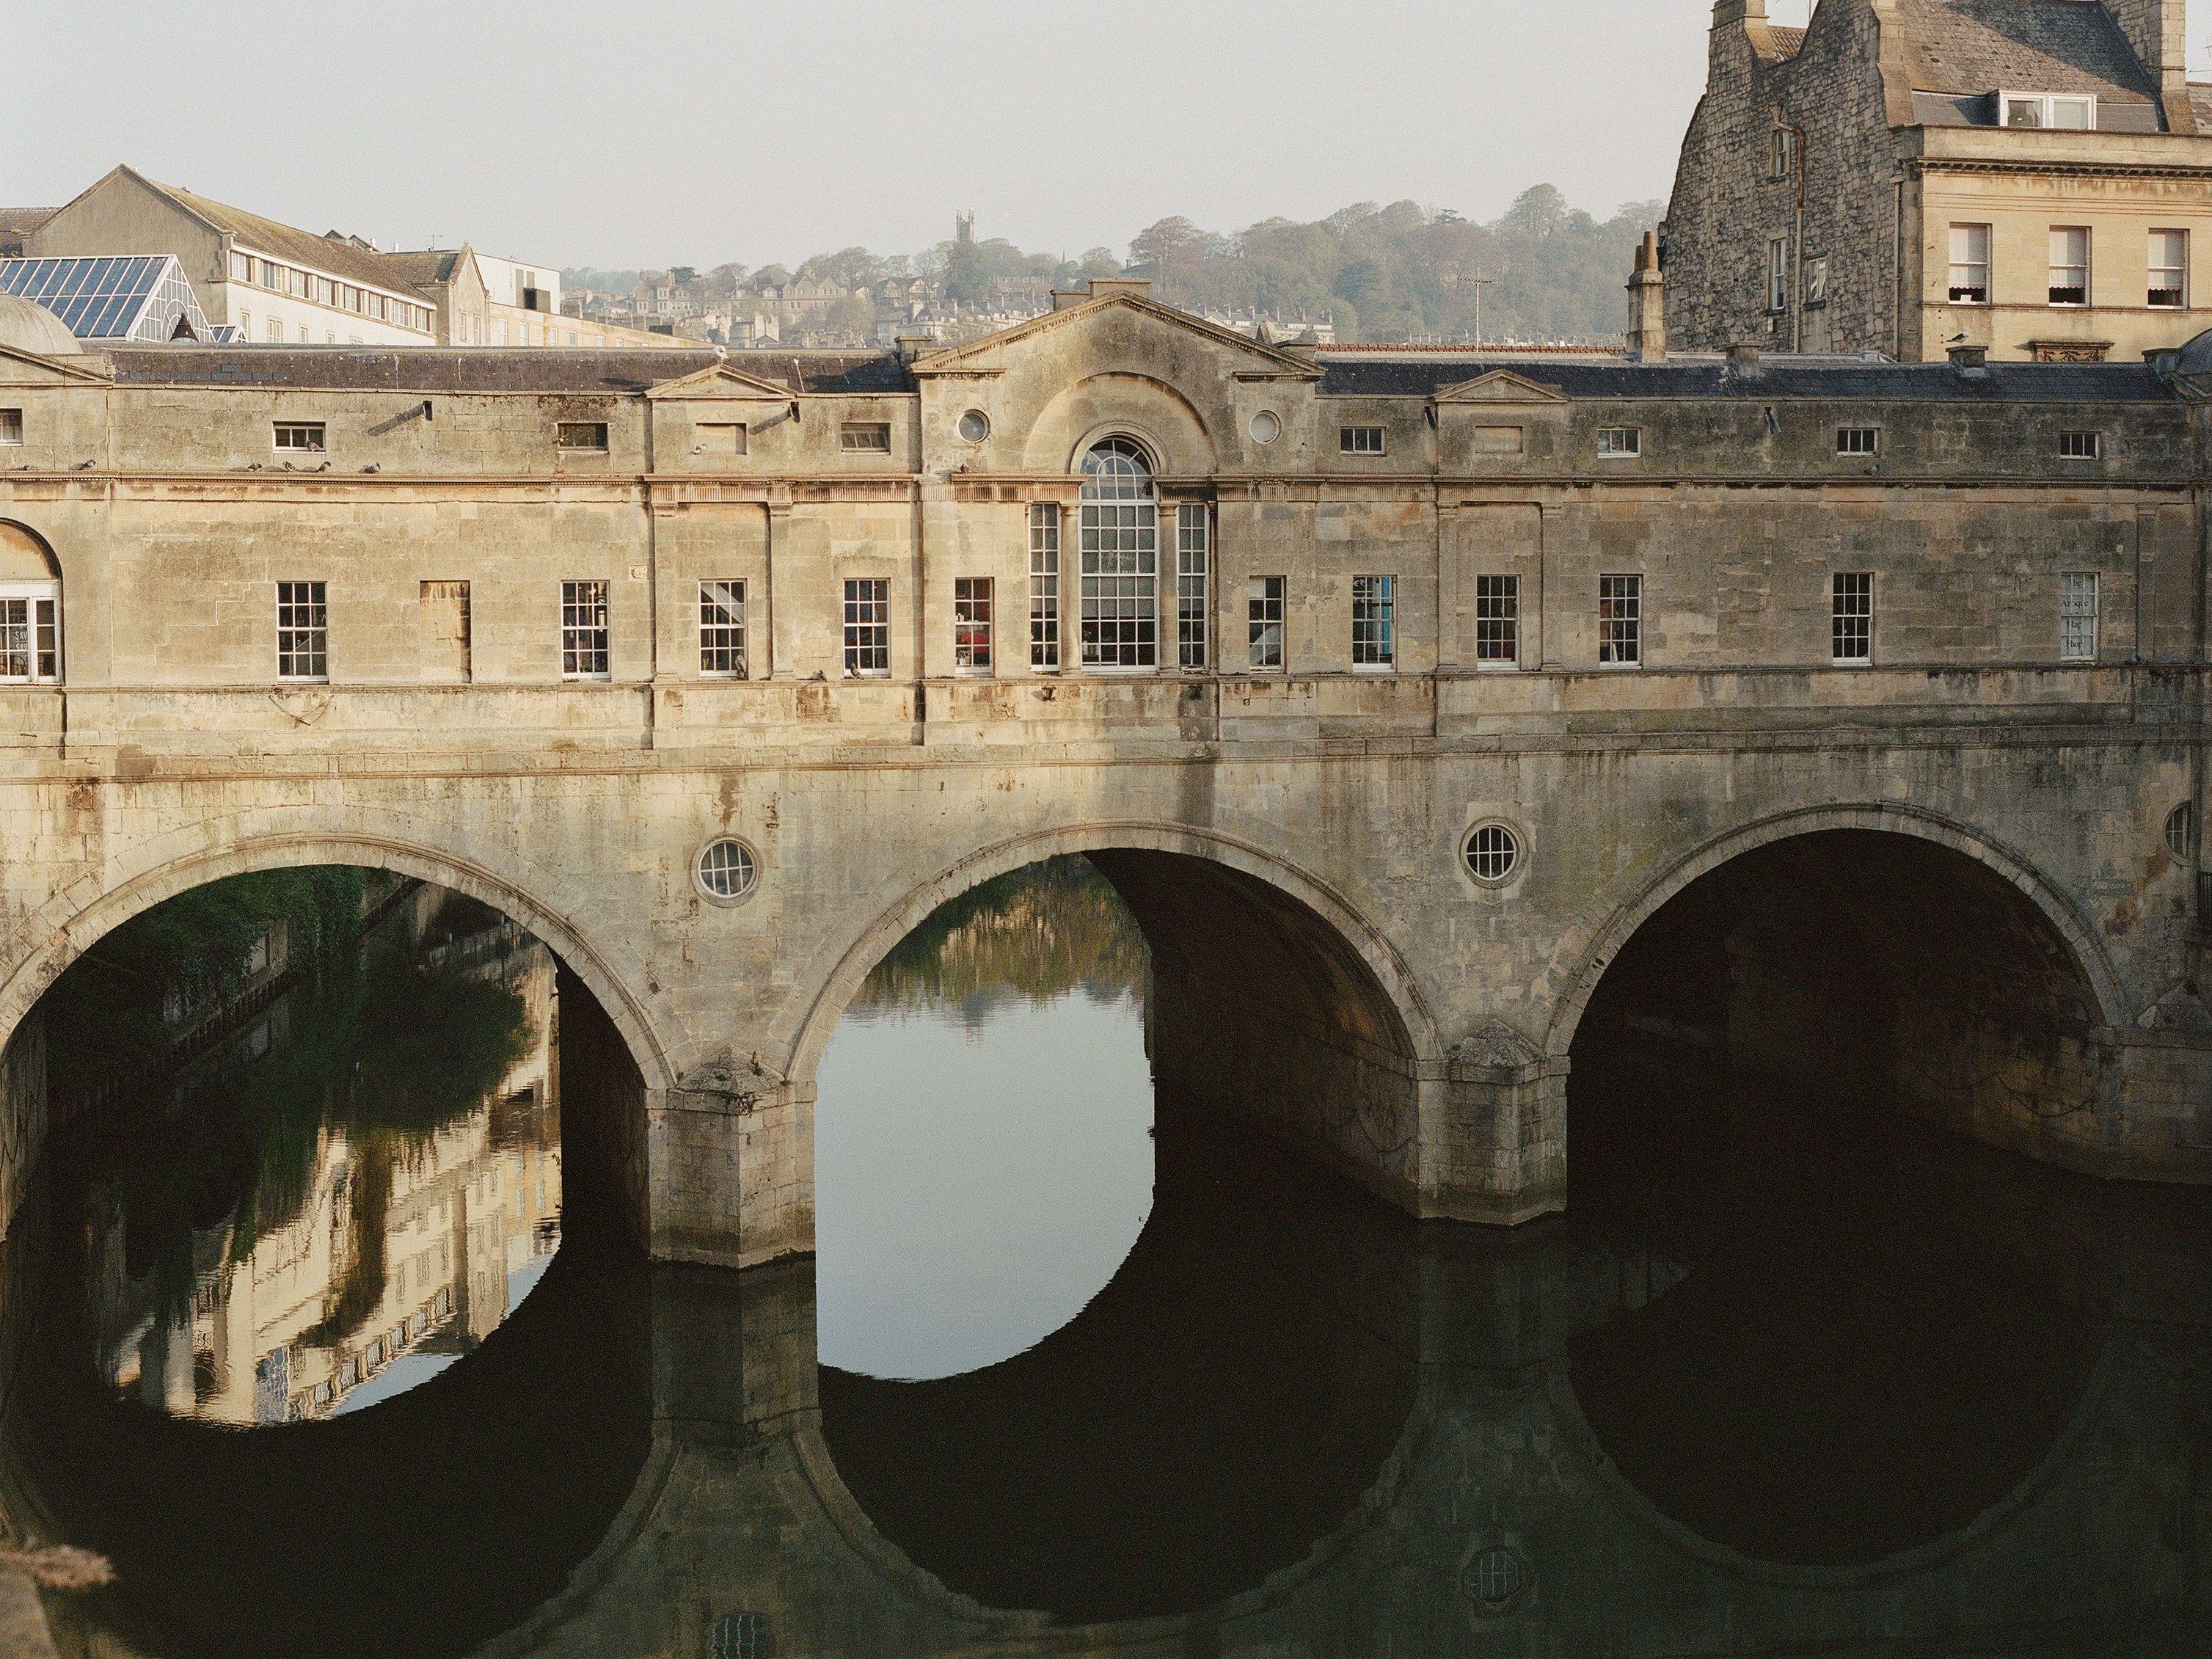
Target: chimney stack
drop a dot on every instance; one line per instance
(1725, 12)
(2158, 30)
(1647, 304)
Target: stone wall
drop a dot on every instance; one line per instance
(22, 1111)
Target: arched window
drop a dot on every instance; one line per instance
(30, 612)
(1121, 552)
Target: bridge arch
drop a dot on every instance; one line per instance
(1594, 949)
(1276, 1001)
(858, 957)
(135, 881)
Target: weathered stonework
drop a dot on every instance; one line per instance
(1859, 141)
(1293, 838)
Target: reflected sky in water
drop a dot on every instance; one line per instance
(975, 1187)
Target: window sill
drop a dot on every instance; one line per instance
(1513, 667)
(1850, 662)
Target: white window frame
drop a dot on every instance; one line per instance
(2178, 272)
(2080, 615)
(305, 437)
(1970, 264)
(1852, 618)
(1858, 442)
(1777, 276)
(586, 631)
(565, 432)
(1267, 602)
(1194, 586)
(858, 438)
(975, 607)
(1366, 441)
(11, 429)
(1374, 624)
(40, 652)
(868, 623)
(1620, 620)
(303, 632)
(1620, 443)
(1118, 543)
(2068, 267)
(1497, 623)
(2046, 107)
(1045, 647)
(2071, 443)
(722, 623)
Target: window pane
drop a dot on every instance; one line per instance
(1497, 620)
(1263, 607)
(1620, 620)
(1193, 584)
(722, 628)
(584, 653)
(1374, 620)
(2077, 616)
(1851, 623)
(971, 623)
(1119, 535)
(868, 629)
(302, 631)
(1044, 585)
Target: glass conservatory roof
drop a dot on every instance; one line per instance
(143, 297)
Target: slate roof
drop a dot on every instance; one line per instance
(21, 221)
(580, 370)
(2020, 46)
(430, 266)
(287, 242)
(1787, 43)
(1830, 381)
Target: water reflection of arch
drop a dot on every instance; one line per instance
(166, 865)
(1222, 1419)
(431, 1523)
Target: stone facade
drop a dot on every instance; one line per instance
(1302, 827)
(1856, 145)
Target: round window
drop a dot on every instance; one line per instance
(1267, 427)
(727, 870)
(975, 426)
(1493, 853)
(1495, 1578)
(2181, 832)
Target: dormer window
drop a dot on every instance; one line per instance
(2058, 111)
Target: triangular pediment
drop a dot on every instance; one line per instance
(1501, 385)
(989, 354)
(718, 380)
(30, 368)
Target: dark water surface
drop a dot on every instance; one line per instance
(1081, 1368)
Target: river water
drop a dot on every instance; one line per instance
(307, 1339)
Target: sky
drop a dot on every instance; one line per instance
(765, 130)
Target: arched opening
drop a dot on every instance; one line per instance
(1777, 1088)
(30, 609)
(989, 1093)
(1873, 970)
(1074, 1289)
(314, 1133)
(1118, 532)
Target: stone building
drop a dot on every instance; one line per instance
(274, 283)
(1400, 692)
(2033, 177)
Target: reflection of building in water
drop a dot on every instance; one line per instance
(404, 1247)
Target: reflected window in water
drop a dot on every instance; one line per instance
(983, 1160)
(318, 1140)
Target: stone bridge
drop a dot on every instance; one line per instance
(1393, 819)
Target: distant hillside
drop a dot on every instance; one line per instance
(1545, 272)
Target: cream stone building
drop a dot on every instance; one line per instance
(2033, 177)
(276, 284)
(1401, 692)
